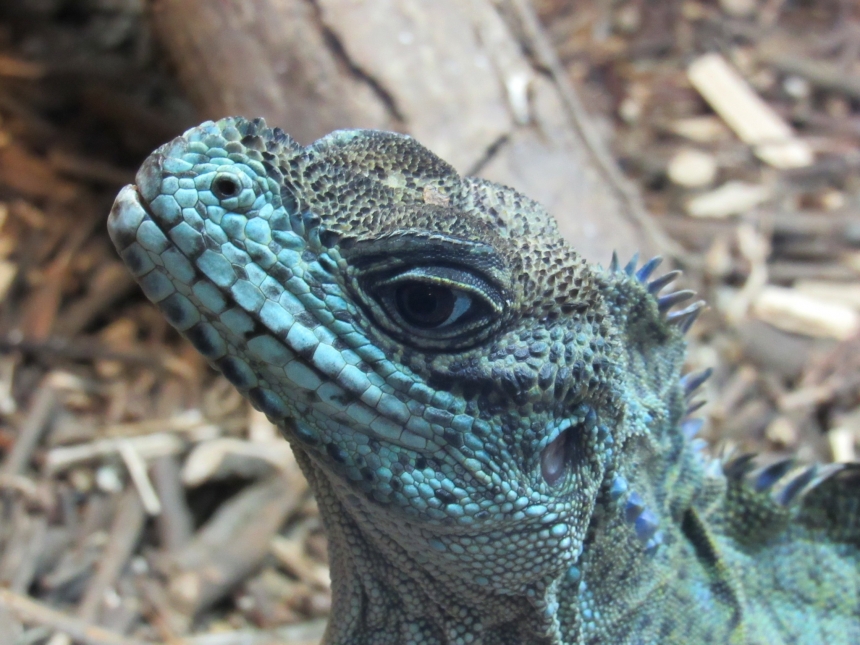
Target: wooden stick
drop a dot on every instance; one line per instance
(32, 612)
(147, 446)
(137, 470)
(38, 419)
(232, 543)
(124, 534)
(308, 633)
(822, 74)
(175, 524)
(626, 193)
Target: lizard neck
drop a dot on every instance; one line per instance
(381, 592)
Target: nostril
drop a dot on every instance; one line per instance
(148, 178)
(225, 187)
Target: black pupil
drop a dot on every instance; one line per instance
(226, 187)
(425, 305)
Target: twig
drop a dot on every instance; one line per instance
(124, 535)
(87, 348)
(232, 543)
(175, 524)
(25, 486)
(38, 420)
(188, 423)
(111, 283)
(22, 549)
(147, 446)
(18, 68)
(825, 75)
(308, 633)
(30, 611)
(137, 470)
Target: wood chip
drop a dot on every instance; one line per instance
(801, 313)
(782, 432)
(701, 129)
(753, 120)
(843, 293)
(841, 442)
(845, 437)
(692, 168)
(732, 198)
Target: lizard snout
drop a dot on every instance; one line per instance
(149, 177)
(125, 217)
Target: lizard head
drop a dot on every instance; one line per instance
(454, 368)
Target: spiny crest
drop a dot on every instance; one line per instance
(654, 338)
(682, 319)
(653, 335)
(786, 481)
(763, 500)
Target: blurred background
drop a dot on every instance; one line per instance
(144, 501)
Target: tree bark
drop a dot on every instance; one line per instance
(452, 73)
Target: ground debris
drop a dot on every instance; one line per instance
(769, 93)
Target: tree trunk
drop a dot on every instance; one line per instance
(452, 73)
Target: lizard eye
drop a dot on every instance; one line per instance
(435, 307)
(430, 306)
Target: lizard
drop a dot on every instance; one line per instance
(498, 433)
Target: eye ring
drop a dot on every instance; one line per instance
(226, 187)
